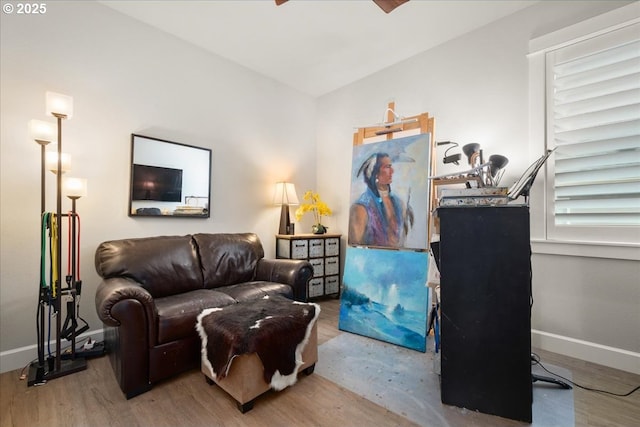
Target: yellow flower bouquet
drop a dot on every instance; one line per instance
(314, 204)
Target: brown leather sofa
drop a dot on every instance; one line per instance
(153, 289)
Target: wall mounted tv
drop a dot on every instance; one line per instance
(156, 183)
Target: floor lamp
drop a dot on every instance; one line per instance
(61, 107)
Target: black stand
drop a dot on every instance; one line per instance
(562, 384)
(38, 375)
(536, 378)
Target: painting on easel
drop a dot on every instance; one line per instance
(385, 296)
(390, 193)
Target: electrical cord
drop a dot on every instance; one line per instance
(453, 145)
(23, 376)
(536, 361)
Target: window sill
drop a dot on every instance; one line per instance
(586, 249)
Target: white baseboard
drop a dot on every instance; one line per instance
(612, 357)
(21, 357)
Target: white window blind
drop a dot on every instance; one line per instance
(593, 118)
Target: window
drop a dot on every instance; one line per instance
(592, 116)
(594, 123)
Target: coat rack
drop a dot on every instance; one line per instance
(51, 295)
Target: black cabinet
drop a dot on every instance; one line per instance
(485, 267)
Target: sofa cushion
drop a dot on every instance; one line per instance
(177, 313)
(228, 259)
(256, 290)
(163, 265)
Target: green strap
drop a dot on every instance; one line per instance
(43, 234)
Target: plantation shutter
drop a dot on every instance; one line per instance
(594, 123)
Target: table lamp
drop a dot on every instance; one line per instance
(285, 195)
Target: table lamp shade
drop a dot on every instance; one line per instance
(285, 194)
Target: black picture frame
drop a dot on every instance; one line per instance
(163, 158)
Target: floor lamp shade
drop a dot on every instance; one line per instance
(52, 161)
(74, 187)
(285, 195)
(59, 105)
(43, 132)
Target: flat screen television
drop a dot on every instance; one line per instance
(156, 183)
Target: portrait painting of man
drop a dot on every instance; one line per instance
(390, 193)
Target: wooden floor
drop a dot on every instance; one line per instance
(93, 398)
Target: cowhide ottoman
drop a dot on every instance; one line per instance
(251, 347)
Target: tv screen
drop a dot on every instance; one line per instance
(156, 183)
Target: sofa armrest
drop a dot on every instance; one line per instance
(118, 289)
(295, 273)
(128, 312)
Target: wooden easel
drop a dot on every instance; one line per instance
(421, 121)
(425, 124)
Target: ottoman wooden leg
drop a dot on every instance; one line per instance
(245, 407)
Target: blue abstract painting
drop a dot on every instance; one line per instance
(385, 296)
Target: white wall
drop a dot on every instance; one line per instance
(476, 87)
(126, 77)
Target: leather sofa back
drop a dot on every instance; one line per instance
(228, 259)
(164, 265)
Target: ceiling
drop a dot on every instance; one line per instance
(316, 46)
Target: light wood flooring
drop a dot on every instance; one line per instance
(93, 398)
